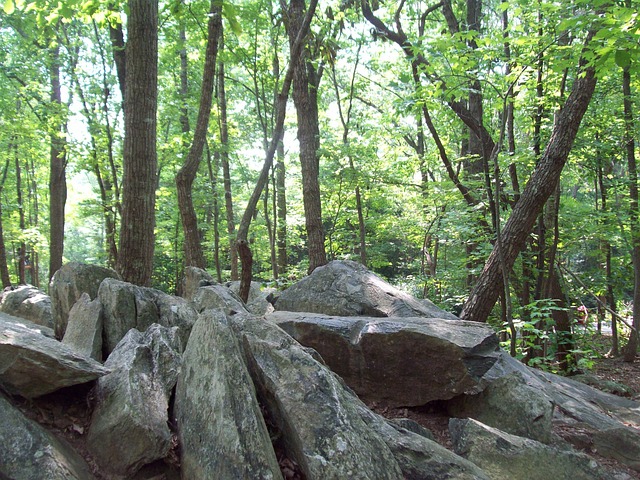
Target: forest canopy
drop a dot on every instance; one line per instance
(478, 153)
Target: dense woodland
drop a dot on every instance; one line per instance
(477, 153)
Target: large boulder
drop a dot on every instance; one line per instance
(126, 306)
(257, 302)
(221, 430)
(68, 284)
(320, 423)
(346, 288)
(510, 404)
(129, 426)
(505, 457)
(218, 297)
(400, 362)
(32, 365)
(29, 452)
(194, 278)
(84, 330)
(28, 302)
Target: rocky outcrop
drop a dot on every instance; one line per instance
(400, 362)
(32, 365)
(132, 402)
(257, 302)
(68, 284)
(218, 297)
(126, 306)
(29, 452)
(346, 288)
(511, 405)
(28, 302)
(507, 457)
(84, 330)
(194, 278)
(221, 430)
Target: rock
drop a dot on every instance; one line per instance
(318, 417)
(412, 426)
(346, 288)
(511, 405)
(32, 365)
(29, 452)
(194, 278)
(24, 324)
(132, 401)
(126, 306)
(400, 362)
(218, 297)
(419, 457)
(508, 457)
(84, 329)
(257, 303)
(605, 417)
(68, 284)
(604, 385)
(221, 430)
(28, 302)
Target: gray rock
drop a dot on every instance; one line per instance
(194, 278)
(68, 284)
(346, 288)
(221, 430)
(419, 457)
(84, 330)
(29, 452)
(318, 417)
(28, 302)
(32, 365)
(399, 361)
(126, 306)
(511, 405)
(129, 427)
(412, 426)
(257, 303)
(218, 297)
(508, 457)
(24, 324)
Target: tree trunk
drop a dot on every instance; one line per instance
(631, 348)
(194, 255)
(226, 171)
(140, 162)
(305, 98)
(57, 172)
(540, 186)
(281, 203)
(278, 129)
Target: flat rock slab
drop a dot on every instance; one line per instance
(346, 288)
(32, 365)
(29, 452)
(398, 361)
(27, 301)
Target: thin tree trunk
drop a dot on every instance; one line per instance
(4, 268)
(631, 349)
(281, 205)
(140, 162)
(226, 170)
(194, 254)
(278, 129)
(57, 172)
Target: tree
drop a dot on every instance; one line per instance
(194, 255)
(137, 237)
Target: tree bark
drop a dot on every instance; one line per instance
(194, 255)
(305, 98)
(540, 186)
(140, 162)
(57, 171)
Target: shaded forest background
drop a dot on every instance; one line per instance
(477, 153)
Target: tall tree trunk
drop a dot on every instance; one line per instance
(140, 162)
(281, 205)
(305, 98)
(278, 130)
(57, 170)
(194, 254)
(631, 348)
(541, 185)
(226, 170)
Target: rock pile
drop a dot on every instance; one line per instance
(203, 387)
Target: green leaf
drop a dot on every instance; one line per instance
(229, 12)
(623, 58)
(9, 7)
